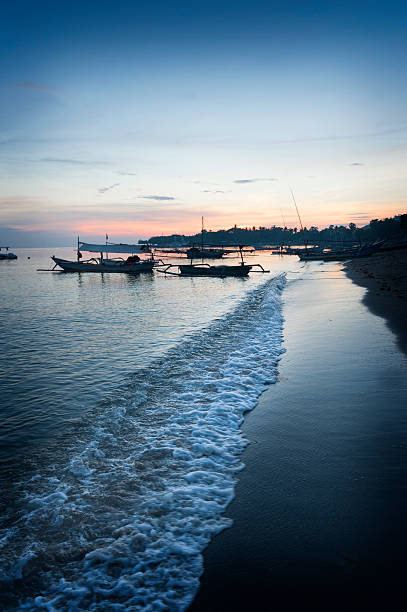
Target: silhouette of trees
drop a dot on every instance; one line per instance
(384, 229)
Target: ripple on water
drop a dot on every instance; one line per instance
(120, 519)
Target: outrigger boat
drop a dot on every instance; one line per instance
(131, 265)
(205, 253)
(196, 252)
(364, 250)
(204, 269)
(7, 255)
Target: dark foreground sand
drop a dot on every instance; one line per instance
(385, 277)
(319, 513)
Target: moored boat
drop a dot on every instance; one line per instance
(207, 270)
(7, 255)
(204, 253)
(131, 265)
(105, 265)
(219, 271)
(363, 251)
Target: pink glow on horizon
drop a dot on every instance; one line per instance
(192, 225)
(189, 222)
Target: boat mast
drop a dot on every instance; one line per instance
(296, 208)
(77, 252)
(107, 254)
(284, 226)
(202, 234)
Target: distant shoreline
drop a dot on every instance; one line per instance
(384, 275)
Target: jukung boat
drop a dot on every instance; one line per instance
(204, 269)
(131, 265)
(202, 250)
(7, 255)
(364, 250)
(204, 253)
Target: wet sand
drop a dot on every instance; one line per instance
(319, 512)
(385, 277)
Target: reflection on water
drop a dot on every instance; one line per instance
(69, 339)
(128, 403)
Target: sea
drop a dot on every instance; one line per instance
(122, 400)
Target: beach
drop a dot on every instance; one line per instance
(384, 275)
(197, 413)
(120, 469)
(318, 511)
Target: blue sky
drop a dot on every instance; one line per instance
(135, 119)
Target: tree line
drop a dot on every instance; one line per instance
(390, 228)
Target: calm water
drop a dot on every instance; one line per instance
(121, 402)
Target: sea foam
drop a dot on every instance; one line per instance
(121, 518)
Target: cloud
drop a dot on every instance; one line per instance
(209, 191)
(13, 201)
(76, 162)
(156, 197)
(356, 164)
(104, 189)
(253, 180)
(361, 217)
(126, 173)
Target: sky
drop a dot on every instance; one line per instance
(137, 118)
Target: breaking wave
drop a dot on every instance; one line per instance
(120, 518)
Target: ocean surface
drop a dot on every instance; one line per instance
(121, 404)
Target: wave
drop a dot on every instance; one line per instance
(120, 518)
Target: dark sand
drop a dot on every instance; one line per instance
(319, 513)
(385, 277)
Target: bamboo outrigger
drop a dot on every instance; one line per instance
(220, 271)
(131, 265)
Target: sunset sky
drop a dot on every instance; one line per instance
(136, 118)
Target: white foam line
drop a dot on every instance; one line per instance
(122, 521)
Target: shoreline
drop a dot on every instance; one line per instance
(318, 510)
(384, 275)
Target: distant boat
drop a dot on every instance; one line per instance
(7, 255)
(204, 269)
(131, 265)
(363, 251)
(204, 253)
